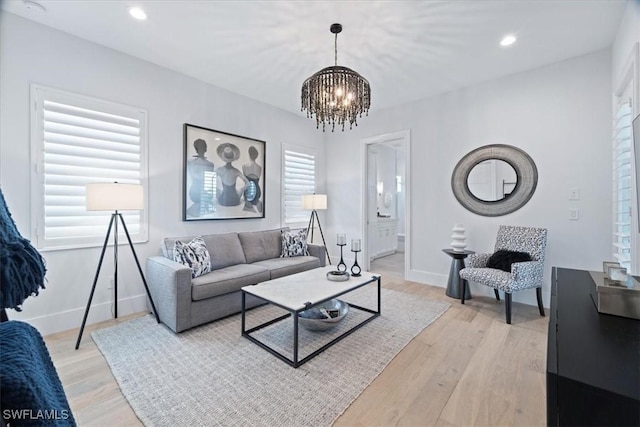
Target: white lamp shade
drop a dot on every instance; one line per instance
(314, 201)
(114, 197)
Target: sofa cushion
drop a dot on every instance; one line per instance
(224, 249)
(280, 267)
(193, 255)
(261, 245)
(294, 243)
(228, 279)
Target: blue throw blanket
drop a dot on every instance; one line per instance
(22, 268)
(31, 393)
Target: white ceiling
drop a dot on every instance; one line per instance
(406, 49)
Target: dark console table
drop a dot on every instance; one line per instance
(593, 359)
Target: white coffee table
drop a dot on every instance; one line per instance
(300, 292)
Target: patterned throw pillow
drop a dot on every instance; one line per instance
(194, 255)
(294, 243)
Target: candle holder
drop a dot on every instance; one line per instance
(355, 269)
(341, 263)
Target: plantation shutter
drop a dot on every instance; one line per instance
(622, 182)
(299, 179)
(80, 140)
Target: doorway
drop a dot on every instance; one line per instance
(386, 213)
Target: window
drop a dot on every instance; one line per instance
(626, 241)
(77, 140)
(299, 178)
(622, 184)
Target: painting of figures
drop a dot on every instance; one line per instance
(224, 175)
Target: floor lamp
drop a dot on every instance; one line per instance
(316, 202)
(114, 197)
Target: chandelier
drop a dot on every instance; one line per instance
(336, 94)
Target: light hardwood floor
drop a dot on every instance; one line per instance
(467, 368)
(392, 266)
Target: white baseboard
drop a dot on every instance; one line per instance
(428, 278)
(525, 297)
(70, 319)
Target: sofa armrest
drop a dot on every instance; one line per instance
(527, 274)
(318, 251)
(170, 286)
(478, 260)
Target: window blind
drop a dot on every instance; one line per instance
(80, 140)
(622, 185)
(299, 179)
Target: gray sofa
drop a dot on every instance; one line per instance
(237, 260)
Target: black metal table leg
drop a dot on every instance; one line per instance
(379, 285)
(295, 339)
(244, 305)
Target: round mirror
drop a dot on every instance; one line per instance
(494, 180)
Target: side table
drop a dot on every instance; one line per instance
(457, 264)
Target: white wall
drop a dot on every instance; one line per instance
(32, 53)
(628, 34)
(560, 115)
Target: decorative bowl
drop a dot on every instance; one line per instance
(324, 316)
(337, 276)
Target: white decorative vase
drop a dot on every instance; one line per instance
(458, 239)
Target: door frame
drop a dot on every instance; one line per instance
(386, 139)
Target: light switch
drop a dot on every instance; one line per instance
(573, 214)
(574, 193)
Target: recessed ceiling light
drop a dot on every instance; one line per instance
(33, 6)
(508, 40)
(137, 13)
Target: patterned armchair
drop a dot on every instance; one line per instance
(523, 275)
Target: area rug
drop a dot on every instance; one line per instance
(212, 376)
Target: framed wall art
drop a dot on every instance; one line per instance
(224, 175)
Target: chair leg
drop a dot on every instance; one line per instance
(507, 302)
(497, 294)
(462, 289)
(539, 296)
